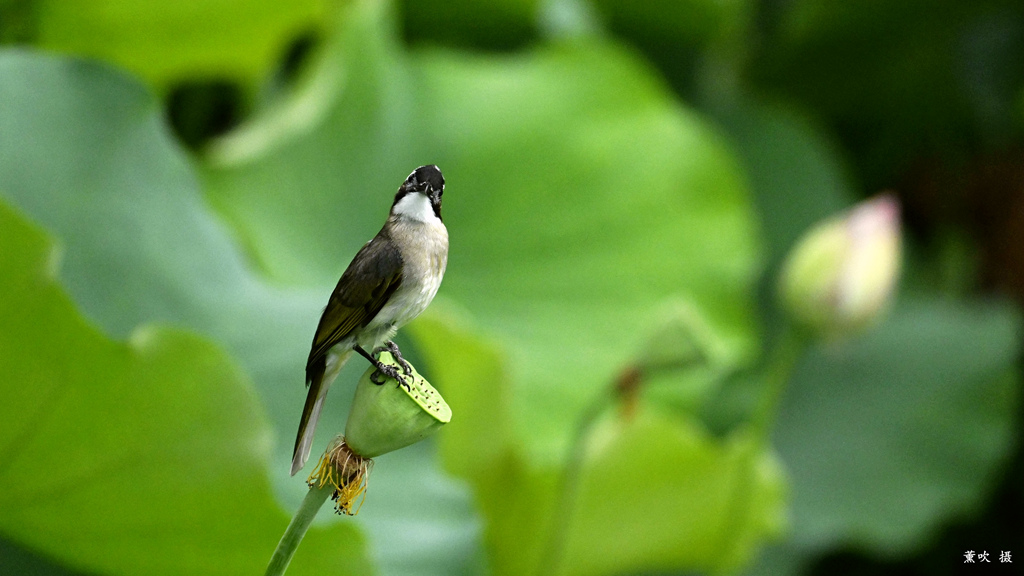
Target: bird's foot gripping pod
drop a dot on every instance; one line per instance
(382, 418)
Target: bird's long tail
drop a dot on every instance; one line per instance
(319, 378)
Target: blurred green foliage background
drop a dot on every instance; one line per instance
(181, 184)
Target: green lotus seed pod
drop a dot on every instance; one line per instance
(389, 416)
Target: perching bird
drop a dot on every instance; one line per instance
(390, 281)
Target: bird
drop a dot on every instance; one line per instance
(390, 281)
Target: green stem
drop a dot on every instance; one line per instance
(568, 485)
(297, 528)
(778, 372)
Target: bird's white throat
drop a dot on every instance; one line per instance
(415, 206)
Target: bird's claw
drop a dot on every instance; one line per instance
(390, 346)
(386, 371)
(406, 367)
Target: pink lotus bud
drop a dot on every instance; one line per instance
(840, 276)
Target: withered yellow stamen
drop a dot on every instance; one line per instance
(346, 472)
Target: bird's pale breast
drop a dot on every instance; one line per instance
(424, 248)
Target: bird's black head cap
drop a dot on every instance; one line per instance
(426, 180)
(429, 175)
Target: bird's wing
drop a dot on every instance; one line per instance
(370, 280)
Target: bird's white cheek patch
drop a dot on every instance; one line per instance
(415, 206)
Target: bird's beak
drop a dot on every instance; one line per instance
(435, 196)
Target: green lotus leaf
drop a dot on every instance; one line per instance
(165, 41)
(138, 457)
(90, 159)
